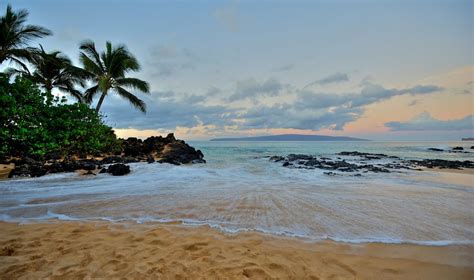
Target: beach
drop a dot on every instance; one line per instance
(86, 250)
(242, 215)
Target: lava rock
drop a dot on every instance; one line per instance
(180, 152)
(150, 159)
(118, 169)
(111, 159)
(276, 158)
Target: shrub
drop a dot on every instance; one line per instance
(34, 123)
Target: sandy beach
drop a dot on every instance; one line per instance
(86, 250)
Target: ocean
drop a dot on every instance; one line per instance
(240, 189)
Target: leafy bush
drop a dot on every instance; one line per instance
(34, 123)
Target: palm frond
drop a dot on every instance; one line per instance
(90, 93)
(134, 83)
(135, 101)
(89, 50)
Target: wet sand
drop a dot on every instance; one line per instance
(70, 250)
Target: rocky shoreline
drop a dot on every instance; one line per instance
(357, 163)
(153, 149)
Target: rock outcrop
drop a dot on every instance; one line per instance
(118, 169)
(153, 149)
(364, 163)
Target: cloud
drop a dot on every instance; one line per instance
(227, 16)
(251, 88)
(334, 78)
(284, 68)
(165, 110)
(213, 91)
(287, 116)
(414, 102)
(307, 110)
(369, 94)
(168, 60)
(425, 121)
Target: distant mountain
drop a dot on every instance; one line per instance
(292, 137)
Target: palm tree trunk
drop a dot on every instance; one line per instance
(99, 104)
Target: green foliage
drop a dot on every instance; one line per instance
(33, 123)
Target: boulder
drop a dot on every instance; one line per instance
(150, 159)
(28, 167)
(180, 152)
(111, 159)
(86, 165)
(435, 150)
(457, 148)
(118, 169)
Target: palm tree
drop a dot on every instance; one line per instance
(14, 36)
(107, 71)
(54, 70)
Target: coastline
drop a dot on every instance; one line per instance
(103, 249)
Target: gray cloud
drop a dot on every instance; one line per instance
(414, 102)
(425, 121)
(369, 94)
(166, 110)
(310, 110)
(287, 116)
(334, 78)
(251, 88)
(169, 60)
(284, 68)
(213, 91)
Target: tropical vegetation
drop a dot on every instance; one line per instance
(107, 71)
(37, 122)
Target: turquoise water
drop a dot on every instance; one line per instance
(240, 190)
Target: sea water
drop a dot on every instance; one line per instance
(239, 189)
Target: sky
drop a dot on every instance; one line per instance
(382, 70)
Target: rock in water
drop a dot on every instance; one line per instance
(169, 149)
(458, 149)
(118, 169)
(180, 152)
(435, 150)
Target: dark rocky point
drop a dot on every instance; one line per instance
(300, 161)
(166, 149)
(118, 169)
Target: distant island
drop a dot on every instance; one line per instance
(468, 139)
(292, 137)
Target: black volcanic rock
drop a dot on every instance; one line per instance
(111, 159)
(457, 148)
(150, 159)
(441, 163)
(301, 161)
(28, 167)
(435, 150)
(180, 152)
(118, 169)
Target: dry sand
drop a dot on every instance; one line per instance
(85, 250)
(5, 170)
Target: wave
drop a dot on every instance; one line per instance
(51, 216)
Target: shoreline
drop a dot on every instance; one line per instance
(172, 250)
